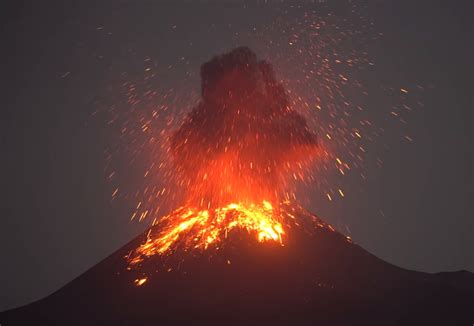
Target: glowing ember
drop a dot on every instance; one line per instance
(140, 281)
(199, 229)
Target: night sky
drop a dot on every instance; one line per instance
(63, 62)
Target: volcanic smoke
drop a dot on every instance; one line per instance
(239, 154)
(242, 141)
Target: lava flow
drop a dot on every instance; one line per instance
(199, 229)
(239, 154)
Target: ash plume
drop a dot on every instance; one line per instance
(242, 141)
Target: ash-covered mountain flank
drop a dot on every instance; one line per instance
(316, 277)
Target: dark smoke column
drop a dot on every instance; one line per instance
(242, 141)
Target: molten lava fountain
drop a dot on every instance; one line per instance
(239, 154)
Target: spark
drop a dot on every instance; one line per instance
(141, 281)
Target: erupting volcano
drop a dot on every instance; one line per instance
(240, 249)
(239, 154)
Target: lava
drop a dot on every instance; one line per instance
(199, 229)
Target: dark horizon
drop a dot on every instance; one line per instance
(63, 62)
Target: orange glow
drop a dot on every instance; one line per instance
(190, 228)
(141, 281)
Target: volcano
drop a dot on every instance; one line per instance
(317, 277)
(240, 250)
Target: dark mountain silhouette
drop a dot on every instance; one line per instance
(317, 278)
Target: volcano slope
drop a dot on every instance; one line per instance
(317, 276)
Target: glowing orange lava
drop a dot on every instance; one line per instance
(198, 229)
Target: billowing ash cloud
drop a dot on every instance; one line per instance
(242, 140)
